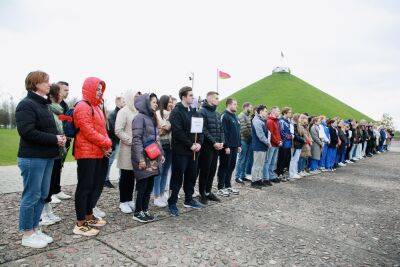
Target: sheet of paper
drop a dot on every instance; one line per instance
(196, 125)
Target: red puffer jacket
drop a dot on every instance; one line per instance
(273, 127)
(92, 139)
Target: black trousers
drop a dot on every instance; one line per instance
(208, 166)
(91, 176)
(55, 186)
(126, 185)
(143, 187)
(284, 156)
(227, 164)
(184, 170)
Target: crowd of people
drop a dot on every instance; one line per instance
(157, 152)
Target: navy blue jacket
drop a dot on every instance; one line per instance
(231, 125)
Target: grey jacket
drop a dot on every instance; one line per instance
(317, 142)
(144, 131)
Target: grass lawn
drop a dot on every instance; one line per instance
(9, 141)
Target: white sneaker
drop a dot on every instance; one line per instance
(55, 199)
(341, 164)
(159, 202)
(131, 204)
(33, 241)
(48, 211)
(223, 192)
(54, 217)
(125, 208)
(349, 161)
(233, 191)
(45, 220)
(63, 196)
(296, 176)
(98, 213)
(45, 237)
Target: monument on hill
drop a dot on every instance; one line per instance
(282, 68)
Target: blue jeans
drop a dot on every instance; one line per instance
(243, 160)
(302, 164)
(270, 163)
(331, 157)
(322, 161)
(111, 161)
(36, 176)
(249, 164)
(313, 164)
(161, 180)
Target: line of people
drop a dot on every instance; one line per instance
(158, 154)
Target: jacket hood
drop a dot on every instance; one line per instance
(142, 104)
(129, 97)
(209, 106)
(89, 89)
(272, 118)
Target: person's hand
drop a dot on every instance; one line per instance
(227, 151)
(142, 165)
(162, 159)
(217, 146)
(107, 153)
(198, 147)
(61, 140)
(193, 147)
(280, 143)
(239, 149)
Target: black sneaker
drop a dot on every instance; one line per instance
(276, 180)
(256, 185)
(239, 181)
(213, 197)
(140, 217)
(203, 200)
(267, 183)
(108, 184)
(246, 180)
(150, 217)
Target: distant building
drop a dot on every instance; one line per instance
(281, 69)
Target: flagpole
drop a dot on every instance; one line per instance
(192, 80)
(217, 79)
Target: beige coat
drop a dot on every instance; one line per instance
(123, 129)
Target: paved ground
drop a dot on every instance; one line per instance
(351, 217)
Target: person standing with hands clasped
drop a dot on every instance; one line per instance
(147, 154)
(184, 145)
(92, 147)
(39, 145)
(232, 146)
(213, 143)
(276, 143)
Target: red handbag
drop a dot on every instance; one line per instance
(152, 151)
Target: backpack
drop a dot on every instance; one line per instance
(68, 121)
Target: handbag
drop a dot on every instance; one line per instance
(151, 148)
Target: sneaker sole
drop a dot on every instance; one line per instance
(188, 206)
(139, 220)
(47, 224)
(84, 233)
(37, 247)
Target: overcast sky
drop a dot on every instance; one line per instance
(349, 49)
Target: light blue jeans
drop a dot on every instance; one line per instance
(270, 163)
(243, 160)
(161, 180)
(36, 176)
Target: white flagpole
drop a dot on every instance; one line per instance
(217, 79)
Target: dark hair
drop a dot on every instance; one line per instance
(54, 92)
(34, 78)
(246, 104)
(229, 101)
(212, 93)
(163, 104)
(260, 108)
(63, 83)
(184, 91)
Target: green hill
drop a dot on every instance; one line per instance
(284, 89)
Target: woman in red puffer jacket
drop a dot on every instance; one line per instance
(92, 147)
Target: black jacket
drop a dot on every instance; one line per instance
(231, 126)
(182, 139)
(343, 137)
(36, 127)
(334, 137)
(111, 127)
(213, 131)
(64, 106)
(298, 141)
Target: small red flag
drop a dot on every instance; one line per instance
(223, 75)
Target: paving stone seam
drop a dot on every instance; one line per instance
(120, 252)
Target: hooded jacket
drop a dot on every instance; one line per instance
(273, 127)
(182, 139)
(213, 131)
(92, 139)
(123, 129)
(144, 132)
(259, 132)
